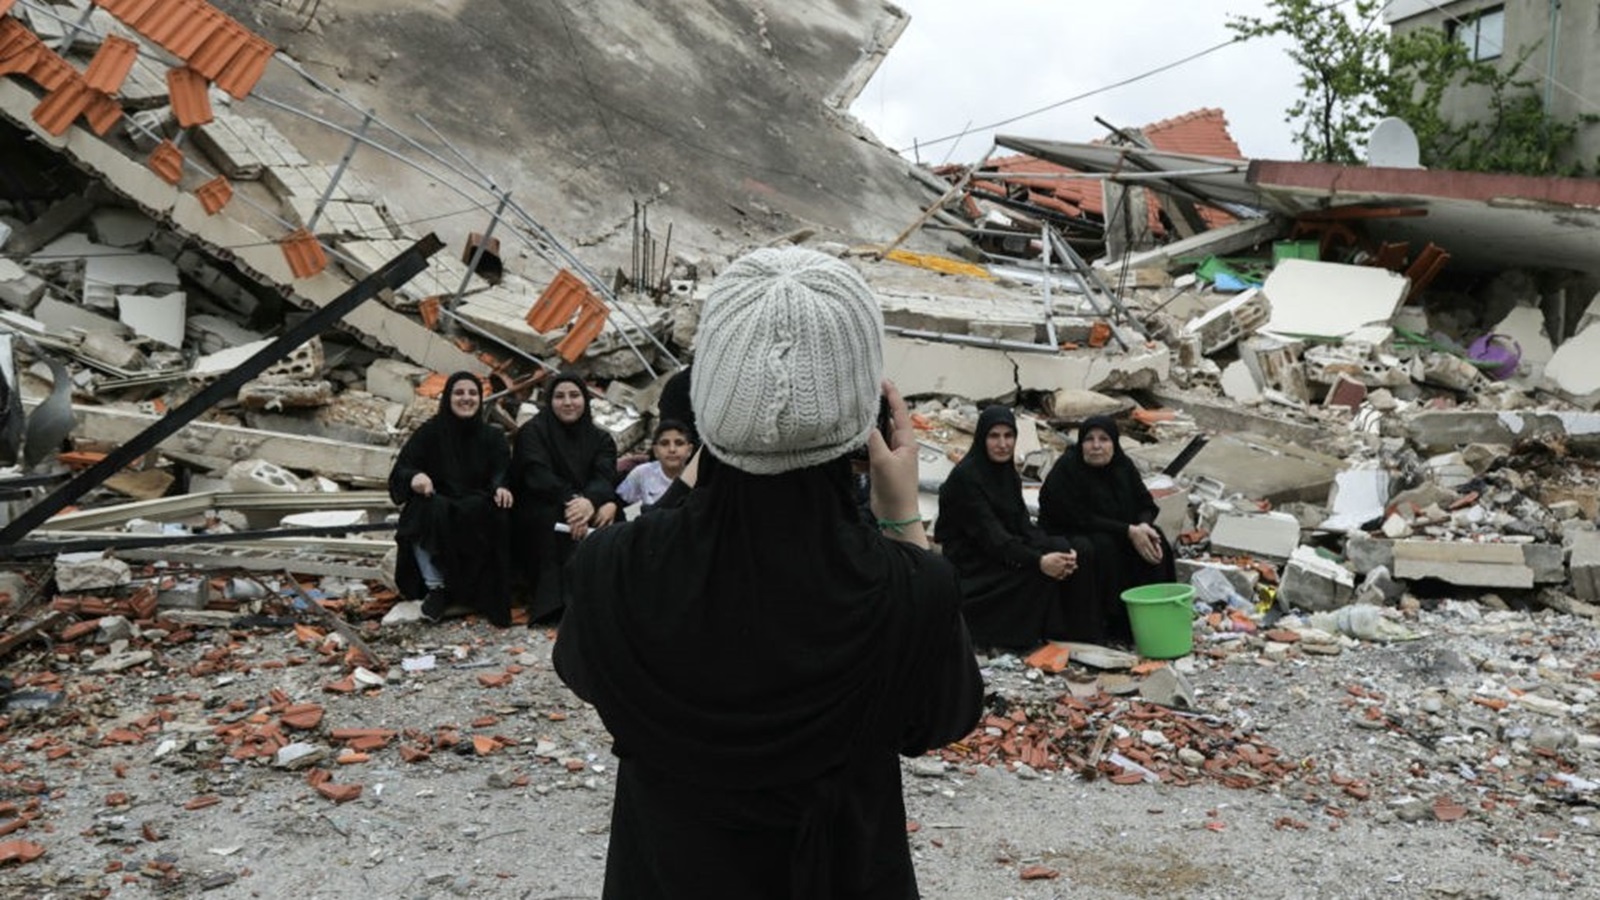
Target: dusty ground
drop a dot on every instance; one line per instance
(529, 818)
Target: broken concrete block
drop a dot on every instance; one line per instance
(1226, 323)
(1167, 686)
(158, 318)
(1276, 364)
(1076, 404)
(1450, 470)
(62, 317)
(1274, 534)
(1548, 562)
(112, 351)
(305, 361)
(1366, 553)
(1572, 372)
(1499, 565)
(328, 518)
(90, 571)
(1451, 371)
(115, 226)
(1329, 299)
(1524, 327)
(113, 629)
(299, 755)
(1358, 496)
(274, 394)
(1585, 565)
(19, 288)
(212, 334)
(1239, 383)
(119, 662)
(1315, 583)
(396, 380)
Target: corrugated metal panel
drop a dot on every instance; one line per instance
(304, 253)
(214, 194)
(102, 112)
(242, 73)
(191, 102)
(111, 64)
(557, 303)
(166, 160)
(591, 321)
(219, 49)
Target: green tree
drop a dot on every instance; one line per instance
(1354, 72)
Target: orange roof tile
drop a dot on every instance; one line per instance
(591, 320)
(128, 11)
(1203, 132)
(214, 194)
(102, 112)
(242, 73)
(166, 160)
(5, 6)
(111, 64)
(63, 104)
(180, 26)
(19, 61)
(558, 302)
(188, 92)
(303, 252)
(49, 70)
(219, 49)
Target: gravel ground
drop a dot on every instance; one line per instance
(1461, 764)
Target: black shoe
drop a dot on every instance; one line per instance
(434, 605)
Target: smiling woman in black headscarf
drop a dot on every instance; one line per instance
(564, 473)
(450, 484)
(1095, 493)
(760, 654)
(1020, 586)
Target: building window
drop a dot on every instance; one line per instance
(1483, 33)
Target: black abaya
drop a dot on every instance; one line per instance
(459, 525)
(984, 529)
(552, 463)
(1097, 504)
(758, 689)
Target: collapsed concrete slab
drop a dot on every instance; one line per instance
(1258, 468)
(1573, 371)
(1443, 430)
(921, 367)
(1329, 299)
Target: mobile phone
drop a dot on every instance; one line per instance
(885, 427)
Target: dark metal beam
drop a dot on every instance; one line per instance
(394, 274)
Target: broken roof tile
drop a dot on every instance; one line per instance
(128, 11)
(49, 70)
(111, 64)
(558, 303)
(246, 67)
(63, 104)
(215, 194)
(180, 26)
(166, 160)
(303, 252)
(13, 36)
(591, 321)
(18, 61)
(219, 49)
(5, 6)
(188, 92)
(102, 112)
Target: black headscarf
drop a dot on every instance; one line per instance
(572, 445)
(997, 483)
(1078, 498)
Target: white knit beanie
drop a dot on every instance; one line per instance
(788, 361)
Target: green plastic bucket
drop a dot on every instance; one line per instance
(1162, 616)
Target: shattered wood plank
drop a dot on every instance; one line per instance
(29, 632)
(337, 623)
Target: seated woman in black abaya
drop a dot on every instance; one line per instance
(450, 484)
(1020, 586)
(1095, 494)
(564, 475)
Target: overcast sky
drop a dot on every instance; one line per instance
(961, 62)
